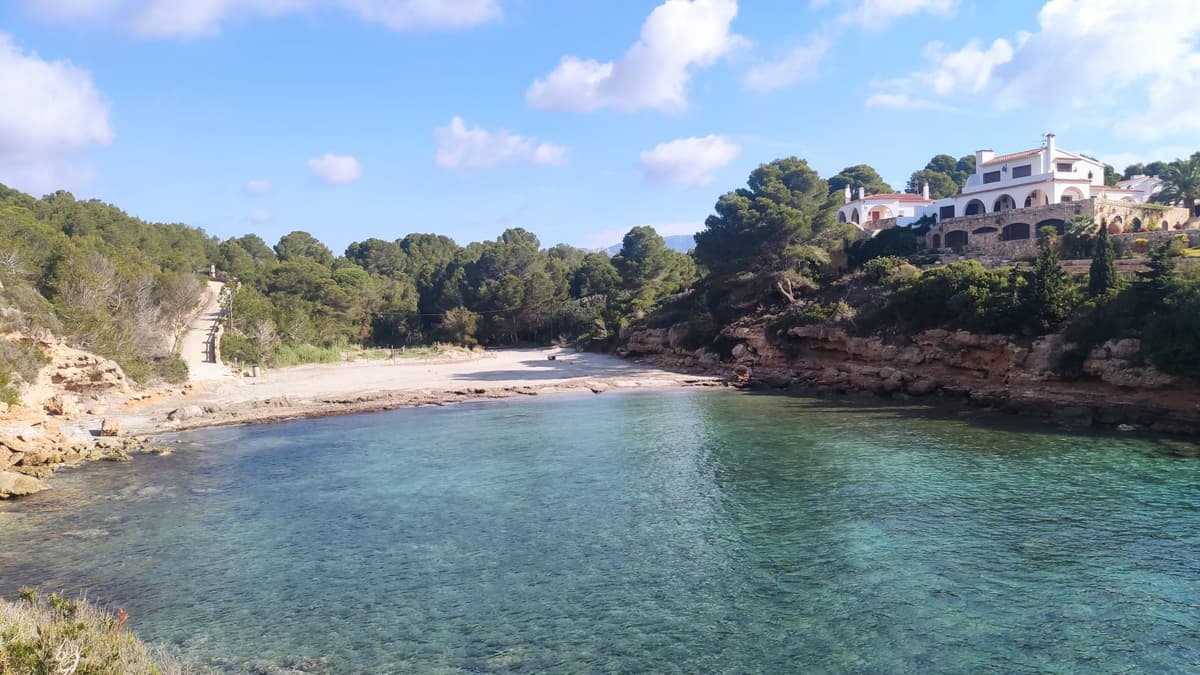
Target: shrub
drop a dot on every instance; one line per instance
(890, 271)
(54, 634)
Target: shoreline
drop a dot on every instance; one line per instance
(38, 439)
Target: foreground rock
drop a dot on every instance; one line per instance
(19, 485)
(1115, 386)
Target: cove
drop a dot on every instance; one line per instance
(658, 531)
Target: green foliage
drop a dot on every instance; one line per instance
(858, 176)
(459, 325)
(899, 242)
(1102, 275)
(1051, 294)
(786, 202)
(52, 635)
(1080, 238)
(1181, 182)
(890, 271)
(114, 284)
(1173, 334)
(945, 175)
(963, 295)
(811, 313)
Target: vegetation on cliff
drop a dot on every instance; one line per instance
(52, 635)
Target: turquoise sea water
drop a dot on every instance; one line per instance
(678, 531)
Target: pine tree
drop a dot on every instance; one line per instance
(1102, 276)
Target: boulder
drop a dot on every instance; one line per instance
(110, 427)
(187, 412)
(19, 485)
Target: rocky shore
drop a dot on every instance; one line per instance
(1116, 388)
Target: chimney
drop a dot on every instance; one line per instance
(925, 190)
(846, 194)
(981, 157)
(1051, 147)
(862, 193)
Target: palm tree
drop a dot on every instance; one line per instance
(1181, 183)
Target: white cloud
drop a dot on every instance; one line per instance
(614, 235)
(193, 18)
(52, 114)
(261, 216)
(968, 69)
(1139, 62)
(691, 161)
(333, 168)
(258, 186)
(801, 63)
(678, 37)
(875, 15)
(462, 147)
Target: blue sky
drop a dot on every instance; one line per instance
(576, 119)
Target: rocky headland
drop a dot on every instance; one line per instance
(1116, 388)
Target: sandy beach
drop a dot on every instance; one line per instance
(370, 385)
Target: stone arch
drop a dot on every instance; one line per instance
(854, 216)
(879, 212)
(841, 216)
(1137, 224)
(986, 229)
(975, 208)
(1072, 194)
(1117, 226)
(956, 239)
(1004, 202)
(1037, 198)
(937, 241)
(1166, 225)
(1059, 225)
(1015, 231)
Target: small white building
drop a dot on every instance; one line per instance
(878, 211)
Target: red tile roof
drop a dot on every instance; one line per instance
(900, 196)
(1015, 155)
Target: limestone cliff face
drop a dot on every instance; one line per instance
(992, 370)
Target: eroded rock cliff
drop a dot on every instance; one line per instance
(1115, 386)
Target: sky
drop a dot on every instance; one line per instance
(575, 119)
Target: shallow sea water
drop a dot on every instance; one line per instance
(681, 531)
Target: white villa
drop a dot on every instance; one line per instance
(1030, 179)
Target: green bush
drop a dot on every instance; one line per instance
(289, 354)
(170, 369)
(45, 635)
(890, 271)
(239, 348)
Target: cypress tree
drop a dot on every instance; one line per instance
(1102, 276)
(1051, 295)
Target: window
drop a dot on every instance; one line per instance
(1067, 198)
(991, 177)
(1022, 171)
(946, 212)
(1066, 166)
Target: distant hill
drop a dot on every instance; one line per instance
(680, 242)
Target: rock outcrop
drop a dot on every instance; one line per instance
(1115, 387)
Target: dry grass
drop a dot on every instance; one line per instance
(53, 635)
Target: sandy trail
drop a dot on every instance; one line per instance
(369, 385)
(194, 348)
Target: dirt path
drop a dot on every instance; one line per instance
(195, 349)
